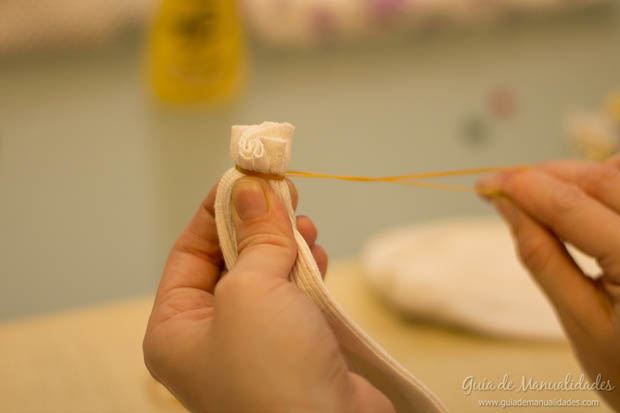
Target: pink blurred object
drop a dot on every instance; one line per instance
(28, 24)
(502, 102)
(292, 22)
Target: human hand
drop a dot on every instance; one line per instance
(249, 341)
(578, 203)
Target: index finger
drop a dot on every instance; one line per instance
(600, 180)
(195, 260)
(567, 210)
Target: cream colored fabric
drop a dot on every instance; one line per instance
(265, 148)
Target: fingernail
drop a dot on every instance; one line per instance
(508, 210)
(249, 199)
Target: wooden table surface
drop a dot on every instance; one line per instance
(90, 360)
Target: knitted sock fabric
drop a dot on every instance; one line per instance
(266, 149)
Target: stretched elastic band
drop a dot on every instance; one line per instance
(260, 174)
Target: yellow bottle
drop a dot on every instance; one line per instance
(195, 51)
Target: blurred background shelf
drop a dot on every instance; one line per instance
(98, 180)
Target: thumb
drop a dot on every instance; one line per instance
(265, 240)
